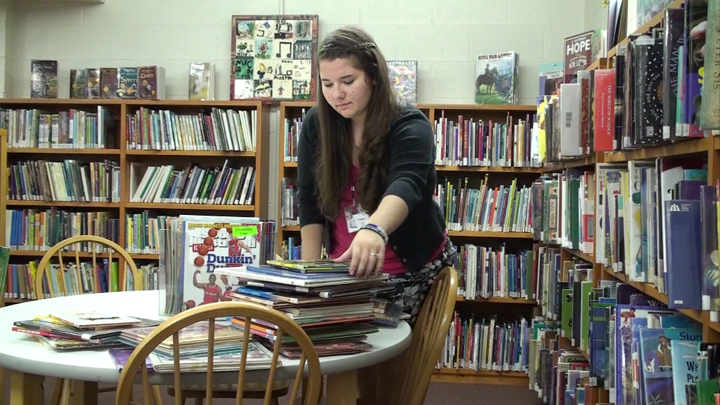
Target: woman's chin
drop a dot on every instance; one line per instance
(346, 112)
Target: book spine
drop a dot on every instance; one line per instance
(674, 34)
(605, 89)
(710, 107)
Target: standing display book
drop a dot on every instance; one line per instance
(193, 247)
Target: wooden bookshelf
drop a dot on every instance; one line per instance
(488, 377)
(655, 21)
(119, 110)
(700, 148)
(292, 110)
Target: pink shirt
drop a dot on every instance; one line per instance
(343, 238)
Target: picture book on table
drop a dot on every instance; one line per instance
(209, 243)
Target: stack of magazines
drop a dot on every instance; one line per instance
(73, 330)
(193, 349)
(335, 309)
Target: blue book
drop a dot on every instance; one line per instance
(686, 370)
(657, 361)
(684, 261)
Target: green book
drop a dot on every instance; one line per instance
(706, 390)
(4, 260)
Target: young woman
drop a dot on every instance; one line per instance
(366, 174)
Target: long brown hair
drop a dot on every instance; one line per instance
(334, 158)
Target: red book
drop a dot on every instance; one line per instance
(604, 106)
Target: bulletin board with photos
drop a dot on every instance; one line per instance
(273, 57)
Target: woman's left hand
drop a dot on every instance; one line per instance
(366, 254)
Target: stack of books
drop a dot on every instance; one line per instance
(335, 309)
(72, 330)
(193, 341)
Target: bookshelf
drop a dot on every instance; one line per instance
(291, 112)
(700, 149)
(178, 127)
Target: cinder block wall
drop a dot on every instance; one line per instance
(445, 36)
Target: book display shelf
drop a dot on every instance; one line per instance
(455, 182)
(118, 165)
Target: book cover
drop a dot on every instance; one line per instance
(685, 371)
(695, 22)
(151, 82)
(44, 79)
(657, 361)
(202, 81)
(707, 273)
(648, 63)
(683, 233)
(78, 82)
(403, 78)
(108, 82)
(127, 82)
(551, 76)
(496, 78)
(94, 319)
(624, 315)
(92, 90)
(674, 37)
(210, 243)
(604, 96)
(578, 55)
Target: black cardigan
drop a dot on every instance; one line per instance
(411, 176)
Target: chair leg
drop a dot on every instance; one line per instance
(157, 398)
(66, 390)
(57, 392)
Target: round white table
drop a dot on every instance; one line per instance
(29, 361)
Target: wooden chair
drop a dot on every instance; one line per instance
(210, 312)
(428, 339)
(62, 390)
(404, 380)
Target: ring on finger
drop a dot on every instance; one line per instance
(375, 255)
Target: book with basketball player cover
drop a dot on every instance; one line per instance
(209, 243)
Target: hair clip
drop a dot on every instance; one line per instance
(358, 47)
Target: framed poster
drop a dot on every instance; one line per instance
(273, 57)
